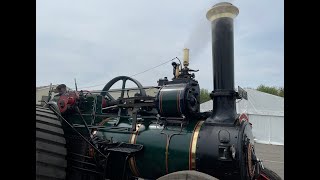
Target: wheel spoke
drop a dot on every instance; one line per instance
(123, 87)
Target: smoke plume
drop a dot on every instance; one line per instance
(200, 35)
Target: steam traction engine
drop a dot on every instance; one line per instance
(93, 135)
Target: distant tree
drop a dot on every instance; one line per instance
(204, 95)
(271, 90)
(281, 91)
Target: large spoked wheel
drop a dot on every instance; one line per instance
(124, 80)
(187, 175)
(50, 146)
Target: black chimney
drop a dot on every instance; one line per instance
(224, 96)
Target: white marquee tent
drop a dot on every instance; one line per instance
(266, 113)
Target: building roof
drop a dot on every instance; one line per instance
(47, 87)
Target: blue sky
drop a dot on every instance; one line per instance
(94, 41)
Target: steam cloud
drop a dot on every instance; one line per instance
(200, 36)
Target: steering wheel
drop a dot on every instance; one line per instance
(124, 80)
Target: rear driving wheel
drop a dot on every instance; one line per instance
(50, 146)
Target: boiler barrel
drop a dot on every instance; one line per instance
(197, 146)
(165, 150)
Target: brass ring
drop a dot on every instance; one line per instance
(132, 160)
(193, 145)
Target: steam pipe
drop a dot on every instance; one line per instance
(185, 57)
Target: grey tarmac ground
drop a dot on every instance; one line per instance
(272, 156)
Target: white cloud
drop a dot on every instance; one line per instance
(96, 40)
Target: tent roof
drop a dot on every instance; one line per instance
(258, 103)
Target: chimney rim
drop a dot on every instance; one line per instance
(222, 9)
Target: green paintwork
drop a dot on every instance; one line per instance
(171, 103)
(179, 149)
(151, 161)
